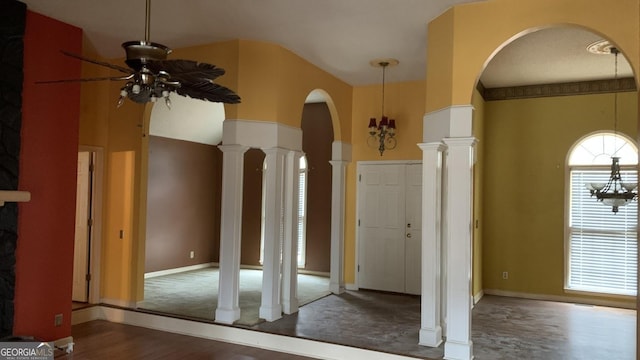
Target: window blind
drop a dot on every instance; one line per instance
(603, 255)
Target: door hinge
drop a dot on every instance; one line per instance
(358, 222)
(358, 268)
(91, 167)
(88, 277)
(360, 178)
(89, 222)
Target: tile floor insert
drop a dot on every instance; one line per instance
(502, 328)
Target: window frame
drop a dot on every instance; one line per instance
(569, 168)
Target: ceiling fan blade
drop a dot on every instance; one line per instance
(128, 77)
(97, 62)
(189, 71)
(207, 90)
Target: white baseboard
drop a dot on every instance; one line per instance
(179, 270)
(119, 302)
(478, 296)
(352, 287)
(240, 336)
(314, 273)
(567, 299)
(84, 315)
(65, 344)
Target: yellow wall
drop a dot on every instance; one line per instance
(463, 40)
(404, 102)
(273, 84)
(478, 132)
(526, 143)
(94, 101)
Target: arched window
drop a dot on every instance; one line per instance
(601, 245)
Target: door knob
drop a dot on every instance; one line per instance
(409, 235)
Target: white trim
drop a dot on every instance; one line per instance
(261, 134)
(351, 287)
(314, 273)
(448, 122)
(341, 151)
(477, 297)
(388, 162)
(14, 196)
(240, 336)
(86, 314)
(558, 298)
(119, 302)
(179, 270)
(65, 344)
(95, 255)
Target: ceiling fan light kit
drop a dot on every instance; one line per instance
(151, 76)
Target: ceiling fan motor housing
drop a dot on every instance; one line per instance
(140, 53)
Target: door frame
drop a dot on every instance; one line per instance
(359, 165)
(95, 248)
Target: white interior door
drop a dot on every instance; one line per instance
(389, 203)
(81, 244)
(382, 247)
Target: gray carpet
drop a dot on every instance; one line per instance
(195, 293)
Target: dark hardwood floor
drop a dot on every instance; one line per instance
(100, 339)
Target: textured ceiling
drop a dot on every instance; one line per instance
(339, 36)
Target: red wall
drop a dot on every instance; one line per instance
(48, 160)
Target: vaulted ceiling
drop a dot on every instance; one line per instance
(338, 36)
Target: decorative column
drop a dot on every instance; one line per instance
(336, 279)
(430, 328)
(271, 308)
(291, 229)
(458, 237)
(228, 309)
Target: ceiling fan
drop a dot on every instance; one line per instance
(151, 76)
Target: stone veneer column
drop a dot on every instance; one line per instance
(458, 236)
(228, 309)
(271, 308)
(290, 245)
(12, 18)
(430, 324)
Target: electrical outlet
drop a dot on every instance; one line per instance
(192, 254)
(505, 275)
(57, 320)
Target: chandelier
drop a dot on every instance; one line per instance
(382, 135)
(615, 192)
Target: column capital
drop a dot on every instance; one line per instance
(233, 148)
(276, 150)
(460, 141)
(432, 146)
(338, 163)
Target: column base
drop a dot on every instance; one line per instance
(227, 316)
(430, 337)
(271, 313)
(454, 350)
(290, 307)
(336, 288)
